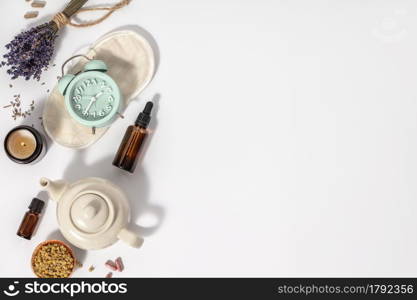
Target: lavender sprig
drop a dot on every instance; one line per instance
(30, 52)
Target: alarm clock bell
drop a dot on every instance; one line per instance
(93, 65)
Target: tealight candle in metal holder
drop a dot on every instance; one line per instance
(25, 145)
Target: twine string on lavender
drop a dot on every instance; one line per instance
(30, 52)
(61, 19)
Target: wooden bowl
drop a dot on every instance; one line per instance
(52, 242)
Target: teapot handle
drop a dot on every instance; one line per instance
(130, 238)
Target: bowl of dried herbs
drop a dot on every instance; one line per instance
(53, 259)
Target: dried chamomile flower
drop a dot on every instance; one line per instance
(53, 260)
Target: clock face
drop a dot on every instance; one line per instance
(93, 98)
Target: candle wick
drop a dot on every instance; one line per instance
(23, 144)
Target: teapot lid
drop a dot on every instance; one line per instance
(92, 212)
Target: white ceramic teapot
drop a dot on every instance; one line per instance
(92, 213)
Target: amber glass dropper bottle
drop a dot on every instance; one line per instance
(31, 219)
(129, 150)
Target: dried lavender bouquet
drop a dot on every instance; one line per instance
(30, 52)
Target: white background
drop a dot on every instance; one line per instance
(285, 140)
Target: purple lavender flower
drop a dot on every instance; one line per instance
(30, 52)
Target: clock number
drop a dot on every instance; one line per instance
(77, 98)
(108, 108)
(78, 107)
(94, 114)
(111, 98)
(101, 113)
(79, 89)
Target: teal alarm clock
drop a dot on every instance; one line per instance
(92, 97)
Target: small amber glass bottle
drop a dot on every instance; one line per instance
(128, 153)
(31, 218)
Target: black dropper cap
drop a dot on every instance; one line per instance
(145, 116)
(36, 205)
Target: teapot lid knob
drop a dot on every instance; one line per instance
(90, 213)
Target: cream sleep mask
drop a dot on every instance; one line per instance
(131, 63)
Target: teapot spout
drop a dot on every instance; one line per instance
(55, 188)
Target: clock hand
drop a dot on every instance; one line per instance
(96, 98)
(98, 95)
(93, 99)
